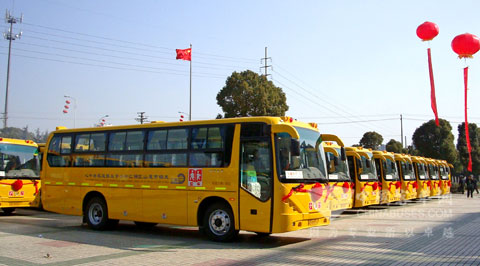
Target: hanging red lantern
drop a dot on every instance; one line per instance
(466, 45)
(65, 111)
(67, 102)
(17, 185)
(427, 31)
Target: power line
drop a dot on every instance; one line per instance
(221, 57)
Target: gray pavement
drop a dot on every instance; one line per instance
(444, 231)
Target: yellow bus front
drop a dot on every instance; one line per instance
(408, 188)
(19, 174)
(362, 169)
(434, 175)
(388, 174)
(445, 182)
(340, 186)
(421, 176)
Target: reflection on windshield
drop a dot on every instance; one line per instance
(443, 173)
(311, 162)
(390, 170)
(407, 171)
(433, 172)
(18, 161)
(368, 171)
(339, 167)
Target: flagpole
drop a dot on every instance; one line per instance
(190, 108)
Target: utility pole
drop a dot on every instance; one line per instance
(10, 37)
(265, 60)
(401, 129)
(141, 117)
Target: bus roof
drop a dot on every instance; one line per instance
(18, 142)
(261, 119)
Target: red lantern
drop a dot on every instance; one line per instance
(65, 111)
(17, 185)
(466, 45)
(66, 106)
(67, 102)
(427, 31)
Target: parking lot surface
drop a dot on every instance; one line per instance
(441, 231)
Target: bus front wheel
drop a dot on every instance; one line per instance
(96, 215)
(8, 211)
(219, 224)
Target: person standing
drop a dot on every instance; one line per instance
(470, 186)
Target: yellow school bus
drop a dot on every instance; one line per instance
(340, 185)
(445, 182)
(408, 181)
(421, 175)
(434, 176)
(362, 170)
(388, 174)
(260, 174)
(19, 174)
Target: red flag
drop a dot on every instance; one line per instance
(184, 54)
(432, 88)
(467, 135)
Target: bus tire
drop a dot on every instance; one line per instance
(219, 223)
(144, 225)
(96, 215)
(8, 211)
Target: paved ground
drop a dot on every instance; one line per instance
(434, 232)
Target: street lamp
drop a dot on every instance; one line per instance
(74, 107)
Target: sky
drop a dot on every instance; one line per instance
(350, 66)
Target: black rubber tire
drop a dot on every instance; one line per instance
(219, 223)
(144, 225)
(96, 215)
(8, 211)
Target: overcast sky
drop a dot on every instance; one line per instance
(351, 66)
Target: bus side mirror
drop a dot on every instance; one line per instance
(295, 147)
(343, 155)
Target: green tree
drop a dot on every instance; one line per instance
(371, 140)
(435, 142)
(23, 133)
(473, 131)
(412, 151)
(395, 146)
(249, 94)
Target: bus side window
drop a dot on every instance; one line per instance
(351, 167)
(58, 153)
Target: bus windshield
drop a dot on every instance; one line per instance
(368, 172)
(443, 173)
(19, 161)
(340, 171)
(309, 165)
(422, 173)
(390, 170)
(407, 171)
(433, 172)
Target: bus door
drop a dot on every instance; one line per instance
(256, 183)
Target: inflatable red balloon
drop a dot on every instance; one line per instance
(466, 45)
(427, 31)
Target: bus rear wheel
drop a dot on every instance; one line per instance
(96, 215)
(8, 211)
(219, 224)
